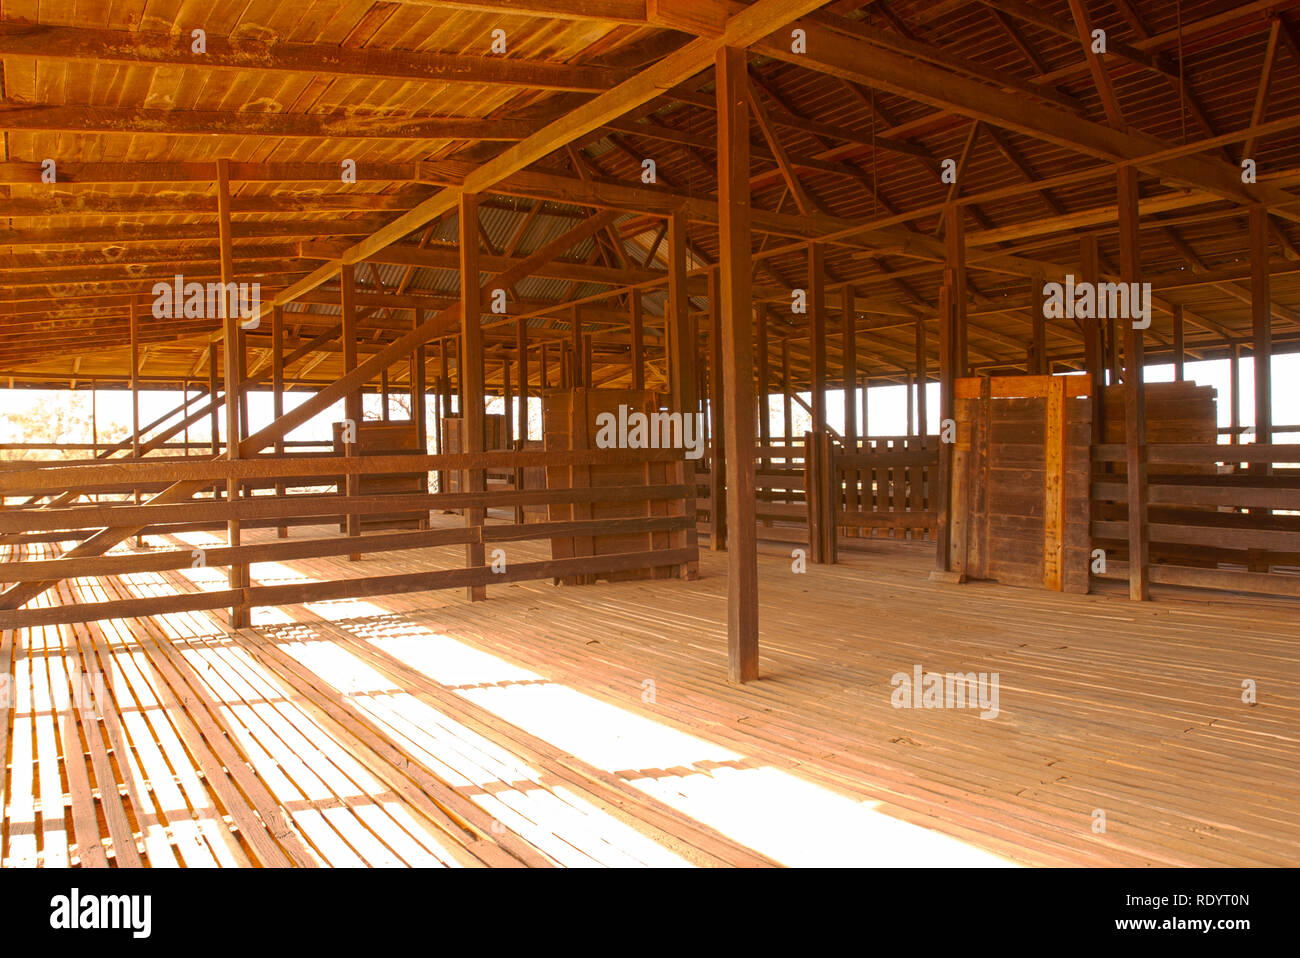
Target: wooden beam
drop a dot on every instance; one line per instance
(816, 297)
(73, 173)
(737, 326)
(637, 332)
(352, 404)
(742, 29)
(837, 55)
(231, 345)
(1134, 397)
(718, 488)
(470, 365)
(49, 118)
(849, 364)
(250, 56)
(277, 393)
(1261, 321)
(1180, 357)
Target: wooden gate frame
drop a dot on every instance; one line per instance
(964, 516)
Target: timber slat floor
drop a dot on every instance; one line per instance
(592, 725)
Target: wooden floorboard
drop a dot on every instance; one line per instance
(592, 725)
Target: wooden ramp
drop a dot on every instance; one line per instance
(536, 730)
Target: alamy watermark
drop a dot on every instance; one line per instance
(946, 690)
(75, 911)
(181, 300)
(656, 430)
(1071, 300)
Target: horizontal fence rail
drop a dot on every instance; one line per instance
(1219, 516)
(654, 512)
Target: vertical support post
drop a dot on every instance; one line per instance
(764, 382)
(352, 401)
(1135, 426)
(1094, 349)
(507, 405)
(718, 486)
(787, 410)
(384, 412)
(419, 389)
(1038, 347)
(213, 422)
(922, 379)
(470, 362)
(277, 395)
(1261, 316)
(231, 342)
(866, 419)
(681, 362)
(135, 392)
(909, 382)
(849, 345)
(817, 333)
(521, 414)
(1234, 393)
(521, 430)
(955, 236)
(737, 322)
(576, 362)
(1180, 355)
(638, 342)
(242, 365)
(947, 407)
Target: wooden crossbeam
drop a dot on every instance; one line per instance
(315, 126)
(81, 174)
(833, 53)
(249, 55)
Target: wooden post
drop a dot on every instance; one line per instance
(922, 379)
(521, 430)
(1234, 393)
(638, 342)
(213, 422)
(384, 413)
(787, 410)
(135, 392)
(230, 335)
(718, 487)
(1261, 316)
(576, 349)
(849, 367)
(737, 322)
(866, 420)
(764, 382)
(441, 409)
(352, 402)
(1038, 347)
(470, 362)
(521, 347)
(277, 395)
(1180, 356)
(955, 236)
(947, 406)
(681, 362)
(1135, 432)
(507, 406)
(817, 333)
(1094, 355)
(419, 389)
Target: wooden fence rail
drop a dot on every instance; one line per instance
(1219, 516)
(662, 528)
